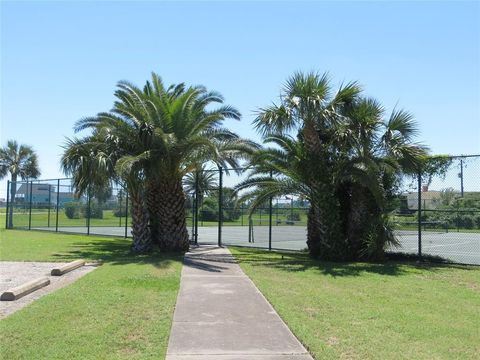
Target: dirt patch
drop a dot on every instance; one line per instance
(14, 273)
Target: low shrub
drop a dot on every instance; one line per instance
(293, 217)
(94, 212)
(121, 211)
(477, 221)
(72, 210)
(208, 214)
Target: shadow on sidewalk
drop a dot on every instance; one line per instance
(208, 258)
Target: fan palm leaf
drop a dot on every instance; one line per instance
(20, 161)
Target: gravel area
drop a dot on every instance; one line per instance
(13, 274)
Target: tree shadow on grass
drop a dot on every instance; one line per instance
(300, 262)
(115, 251)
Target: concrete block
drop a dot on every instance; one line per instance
(24, 289)
(67, 267)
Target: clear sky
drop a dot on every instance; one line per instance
(60, 61)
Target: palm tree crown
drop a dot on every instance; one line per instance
(20, 161)
(161, 134)
(346, 160)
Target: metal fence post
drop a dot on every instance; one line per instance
(241, 209)
(461, 177)
(126, 214)
(8, 204)
(58, 203)
(276, 213)
(30, 210)
(220, 205)
(88, 210)
(120, 195)
(424, 215)
(49, 203)
(419, 214)
(270, 219)
(251, 237)
(196, 208)
(193, 217)
(249, 230)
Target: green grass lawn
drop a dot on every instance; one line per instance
(371, 311)
(44, 218)
(121, 310)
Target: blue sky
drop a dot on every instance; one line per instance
(60, 61)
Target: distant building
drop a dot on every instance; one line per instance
(43, 195)
(430, 199)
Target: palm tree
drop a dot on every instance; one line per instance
(201, 182)
(346, 160)
(276, 172)
(368, 167)
(18, 160)
(174, 130)
(374, 153)
(309, 107)
(96, 160)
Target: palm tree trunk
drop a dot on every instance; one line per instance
(358, 221)
(13, 192)
(140, 229)
(313, 145)
(323, 235)
(172, 225)
(315, 231)
(153, 205)
(363, 231)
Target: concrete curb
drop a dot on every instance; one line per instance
(24, 289)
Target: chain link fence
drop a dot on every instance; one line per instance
(434, 217)
(439, 216)
(52, 205)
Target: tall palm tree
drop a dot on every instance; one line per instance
(20, 161)
(368, 166)
(346, 160)
(374, 153)
(174, 130)
(309, 107)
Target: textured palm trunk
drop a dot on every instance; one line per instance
(172, 225)
(357, 221)
(153, 205)
(323, 236)
(315, 231)
(364, 226)
(140, 230)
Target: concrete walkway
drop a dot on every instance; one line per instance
(221, 315)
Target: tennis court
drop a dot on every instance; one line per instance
(459, 247)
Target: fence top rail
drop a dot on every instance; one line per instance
(455, 156)
(38, 180)
(115, 186)
(459, 210)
